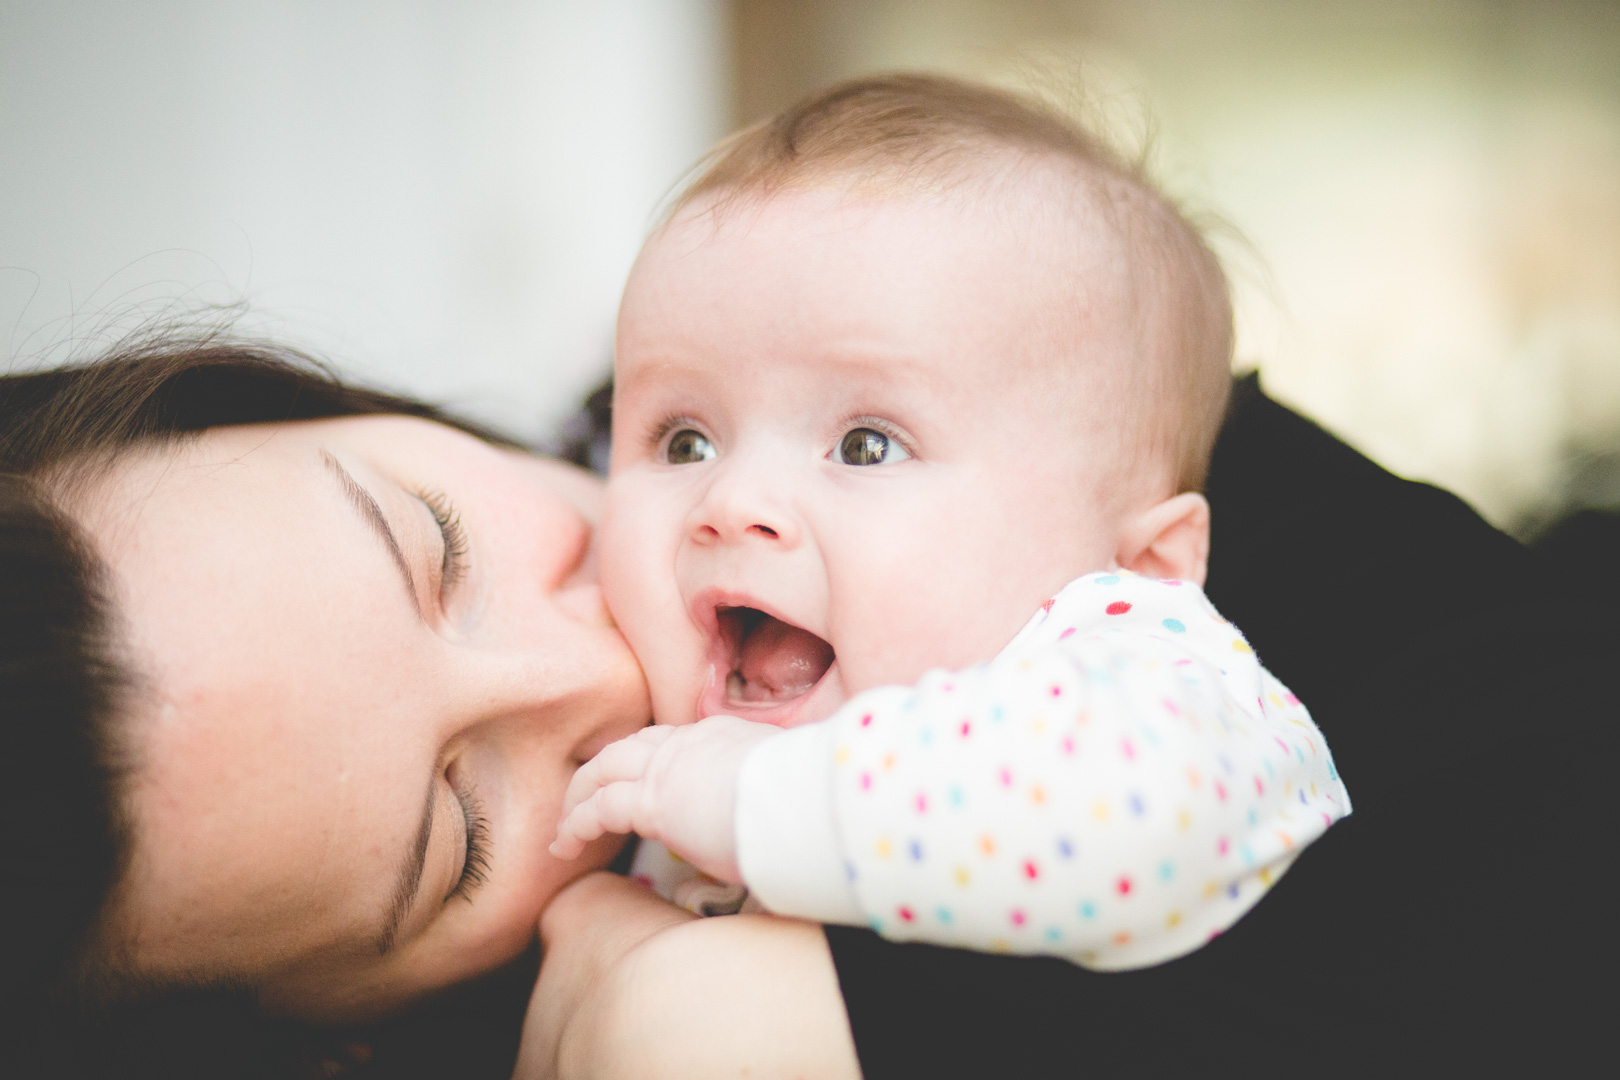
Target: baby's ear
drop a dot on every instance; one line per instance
(1169, 540)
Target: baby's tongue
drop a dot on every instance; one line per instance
(781, 661)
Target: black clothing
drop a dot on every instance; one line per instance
(1406, 937)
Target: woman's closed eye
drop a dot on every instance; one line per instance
(475, 857)
(452, 541)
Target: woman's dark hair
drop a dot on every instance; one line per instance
(66, 1008)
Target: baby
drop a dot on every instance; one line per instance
(915, 390)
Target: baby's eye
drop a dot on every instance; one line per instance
(868, 446)
(687, 446)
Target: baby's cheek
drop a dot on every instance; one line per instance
(892, 646)
(626, 557)
(619, 588)
(630, 589)
(939, 624)
(658, 634)
(671, 683)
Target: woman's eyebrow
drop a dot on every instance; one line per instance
(410, 877)
(373, 516)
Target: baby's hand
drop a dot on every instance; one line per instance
(677, 785)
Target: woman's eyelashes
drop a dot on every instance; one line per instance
(452, 541)
(475, 859)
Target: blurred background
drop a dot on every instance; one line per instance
(1420, 200)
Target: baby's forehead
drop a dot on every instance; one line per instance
(1009, 190)
(1040, 225)
(1015, 270)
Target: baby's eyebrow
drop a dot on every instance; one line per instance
(373, 516)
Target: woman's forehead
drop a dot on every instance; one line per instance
(231, 554)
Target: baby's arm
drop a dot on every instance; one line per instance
(1102, 791)
(1103, 801)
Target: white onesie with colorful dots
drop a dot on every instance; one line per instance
(1119, 785)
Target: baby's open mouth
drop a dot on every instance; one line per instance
(771, 661)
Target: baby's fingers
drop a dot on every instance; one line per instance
(608, 809)
(623, 760)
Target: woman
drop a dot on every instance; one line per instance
(291, 706)
(323, 655)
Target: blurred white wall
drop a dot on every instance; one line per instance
(439, 196)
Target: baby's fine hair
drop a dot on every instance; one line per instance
(929, 133)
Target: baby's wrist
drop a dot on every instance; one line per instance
(786, 835)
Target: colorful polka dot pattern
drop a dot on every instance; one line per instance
(1122, 783)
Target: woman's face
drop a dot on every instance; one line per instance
(371, 653)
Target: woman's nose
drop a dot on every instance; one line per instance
(583, 603)
(570, 673)
(744, 505)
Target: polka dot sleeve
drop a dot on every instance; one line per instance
(1123, 782)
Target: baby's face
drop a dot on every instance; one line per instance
(850, 445)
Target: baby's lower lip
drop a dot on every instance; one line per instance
(802, 709)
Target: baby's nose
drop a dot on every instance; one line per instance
(710, 532)
(742, 510)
